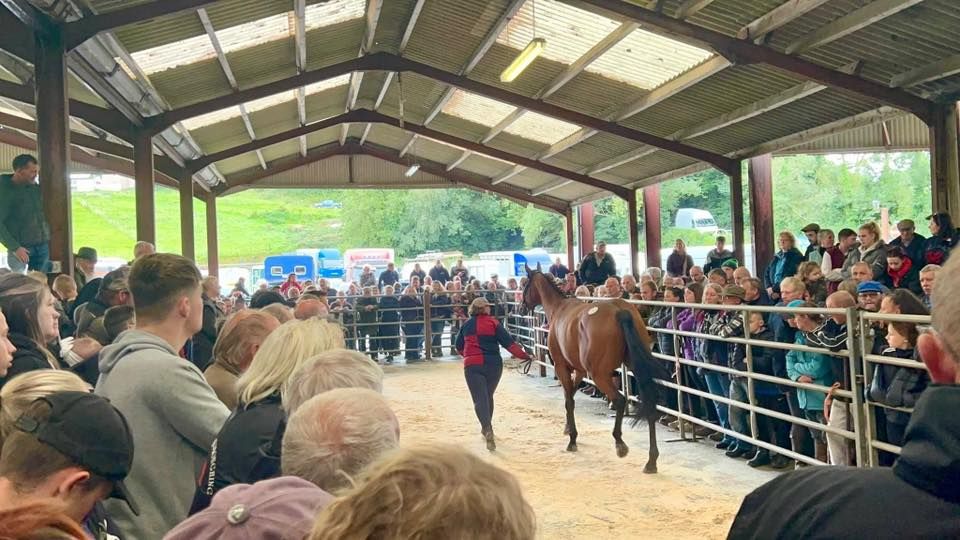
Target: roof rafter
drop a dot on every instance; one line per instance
(389, 62)
(740, 114)
(242, 180)
(417, 130)
(106, 119)
(83, 29)
(777, 17)
(751, 52)
(300, 43)
(691, 7)
(940, 69)
(388, 78)
(568, 74)
(356, 78)
(228, 73)
(168, 171)
(850, 23)
(478, 54)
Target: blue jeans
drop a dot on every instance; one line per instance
(39, 259)
(719, 385)
(740, 418)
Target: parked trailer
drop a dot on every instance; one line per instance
(278, 267)
(355, 259)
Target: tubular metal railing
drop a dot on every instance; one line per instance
(860, 431)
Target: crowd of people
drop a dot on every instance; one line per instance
(859, 271)
(143, 404)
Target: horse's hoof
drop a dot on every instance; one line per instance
(650, 469)
(572, 447)
(622, 450)
(491, 445)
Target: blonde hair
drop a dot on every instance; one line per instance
(582, 292)
(794, 284)
(64, 283)
(280, 311)
(874, 229)
(40, 277)
(336, 368)
(335, 435)
(806, 268)
(789, 235)
(285, 350)
(24, 389)
(242, 330)
(425, 492)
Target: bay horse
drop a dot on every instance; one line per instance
(594, 339)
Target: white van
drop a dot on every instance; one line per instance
(694, 218)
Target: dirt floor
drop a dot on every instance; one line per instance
(588, 494)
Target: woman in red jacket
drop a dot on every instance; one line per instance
(479, 343)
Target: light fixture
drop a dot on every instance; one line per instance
(412, 170)
(524, 59)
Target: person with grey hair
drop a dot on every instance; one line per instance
(917, 497)
(142, 248)
(333, 436)
(928, 276)
(336, 368)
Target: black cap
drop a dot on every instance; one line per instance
(89, 430)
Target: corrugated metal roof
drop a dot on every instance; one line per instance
(906, 132)
(449, 32)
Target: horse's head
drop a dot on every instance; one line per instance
(531, 295)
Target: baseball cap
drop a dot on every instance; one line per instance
(87, 253)
(89, 430)
(811, 227)
(283, 507)
(869, 287)
(116, 280)
(730, 263)
(734, 290)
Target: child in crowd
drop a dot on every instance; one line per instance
(118, 319)
(896, 386)
(810, 368)
(812, 276)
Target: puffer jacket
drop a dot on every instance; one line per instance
(817, 366)
(875, 256)
(898, 386)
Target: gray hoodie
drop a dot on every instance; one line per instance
(174, 416)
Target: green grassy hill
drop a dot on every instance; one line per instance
(252, 223)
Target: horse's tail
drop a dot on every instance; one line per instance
(644, 366)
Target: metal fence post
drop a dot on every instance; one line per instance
(427, 326)
(855, 350)
(751, 390)
(677, 347)
(864, 413)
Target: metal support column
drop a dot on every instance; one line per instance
(651, 224)
(213, 249)
(736, 212)
(53, 144)
(633, 233)
(944, 161)
(760, 177)
(569, 230)
(187, 239)
(144, 185)
(587, 238)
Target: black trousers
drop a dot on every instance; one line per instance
(482, 382)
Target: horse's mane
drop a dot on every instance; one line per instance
(552, 284)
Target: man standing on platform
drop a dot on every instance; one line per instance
(23, 227)
(597, 266)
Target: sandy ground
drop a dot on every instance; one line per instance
(588, 494)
